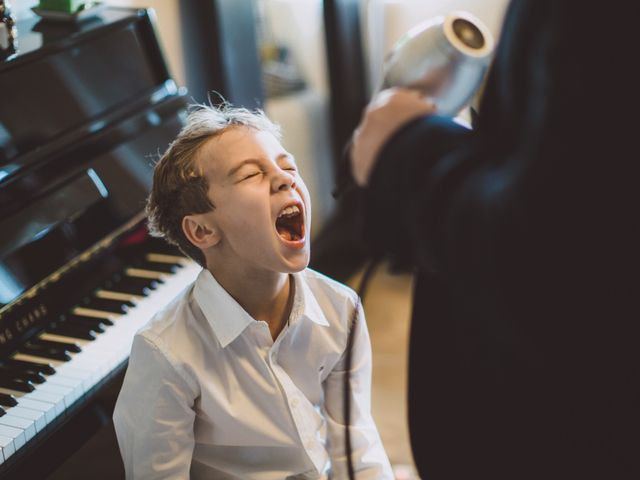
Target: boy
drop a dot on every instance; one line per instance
(241, 376)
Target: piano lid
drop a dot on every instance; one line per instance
(86, 109)
(66, 77)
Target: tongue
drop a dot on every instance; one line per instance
(285, 233)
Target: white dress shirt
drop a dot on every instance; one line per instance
(209, 394)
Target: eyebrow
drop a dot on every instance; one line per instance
(255, 161)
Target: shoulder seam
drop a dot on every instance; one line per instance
(155, 342)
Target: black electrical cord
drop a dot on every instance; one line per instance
(345, 183)
(364, 283)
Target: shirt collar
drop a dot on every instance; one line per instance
(228, 319)
(305, 302)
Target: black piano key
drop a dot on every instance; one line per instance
(38, 367)
(73, 319)
(44, 351)
(7, 400)
(106, 305)
(158, 266)
(140, 290)
(31, 375)
(16, 384)
(97, 324)
(134, 286)
(73, 331)
(69, 347)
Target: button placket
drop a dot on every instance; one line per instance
(299, 415)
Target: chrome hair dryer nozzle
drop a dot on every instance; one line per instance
(445, 57)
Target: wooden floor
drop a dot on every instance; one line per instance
(387, 308)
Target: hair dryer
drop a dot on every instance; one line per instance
(445, 57)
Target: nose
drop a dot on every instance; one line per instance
(283, 180)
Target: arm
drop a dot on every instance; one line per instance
(154, 416)
(369, 458)
(416, 168)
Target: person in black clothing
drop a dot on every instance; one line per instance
(524, 359)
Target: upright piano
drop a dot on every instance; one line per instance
(85, 110)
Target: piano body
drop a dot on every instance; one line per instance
(85, 109)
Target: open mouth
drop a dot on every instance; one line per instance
(290, 223)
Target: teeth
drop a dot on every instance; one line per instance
(289, 211)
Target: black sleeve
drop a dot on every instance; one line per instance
(401, 203)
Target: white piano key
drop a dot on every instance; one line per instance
(77, 385)
(93, 313)
(27, 426)
(87, 377)
(58, 379)
(87, 365)
(72, 383)
(61, 338)
(164, 258)
(32, 358)
(123, 297)
(17, 434)
(41, 395)
(47, 408)
(38, 418)
(68, 395)
(7, 446)
(143, 273)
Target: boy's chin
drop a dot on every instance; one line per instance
(299, 263)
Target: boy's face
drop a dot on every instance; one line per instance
(262, 208)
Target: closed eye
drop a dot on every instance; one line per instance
(251, 175)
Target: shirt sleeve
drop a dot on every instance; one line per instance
(154, 416)
(370, 460)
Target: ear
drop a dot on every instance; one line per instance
(200, 231)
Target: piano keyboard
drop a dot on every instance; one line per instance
(51, 372)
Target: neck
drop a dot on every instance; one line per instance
(264, 295)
